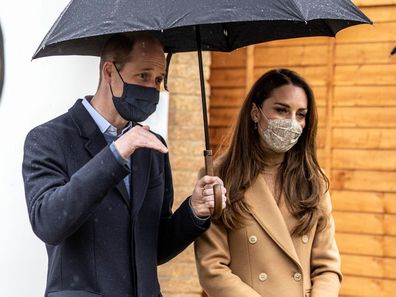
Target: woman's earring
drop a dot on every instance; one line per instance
(255, 125)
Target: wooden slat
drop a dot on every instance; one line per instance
(320, 93)
(373, 2)
(364, 138)
(250, 65)
(227, 78)
(390, 224)
(358, 180)
(358, 201)
(389, 246)
(380, 14)
(367, 287)
(364, 201)
(271, 56)
(321, 157)
(364, 159)
(321, 137)
(359, 244)
(365, 117)
(365, 95)
(315, 75)
(363, 223)
(223, 116)
(234, 59)
(390, 203)
(381, 32)
(227, 97)
(373, 266)
(366, 75)
(364, 53)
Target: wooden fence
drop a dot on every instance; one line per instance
(354, 80)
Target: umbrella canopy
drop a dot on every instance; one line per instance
(188, 25)
(85, 25)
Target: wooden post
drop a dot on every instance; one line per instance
(249, 67)
(329, 106)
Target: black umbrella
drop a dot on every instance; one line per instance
(194, 25)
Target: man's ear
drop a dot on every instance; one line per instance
(107, 71)
(254, 113)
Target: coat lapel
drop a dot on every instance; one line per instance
(141, 164)
(266, 212)
(94, 139)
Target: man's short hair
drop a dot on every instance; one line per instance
(119, 47)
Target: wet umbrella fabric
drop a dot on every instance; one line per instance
(190, 25)
(85, 25)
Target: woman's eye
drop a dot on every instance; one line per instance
(281, 110)
(302, 115)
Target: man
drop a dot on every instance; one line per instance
(99, 187)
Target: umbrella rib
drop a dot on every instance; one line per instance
(299, 10)
(42, 45)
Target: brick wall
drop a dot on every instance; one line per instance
(186, 144)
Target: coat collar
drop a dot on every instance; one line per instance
(94, 140)
(268, 215)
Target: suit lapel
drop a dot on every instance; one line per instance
(94, 139)
(266, 212)
(141, 160)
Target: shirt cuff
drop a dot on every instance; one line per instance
(199, 221)
(124, 162)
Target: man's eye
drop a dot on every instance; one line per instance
(143, 76)
(159, 80)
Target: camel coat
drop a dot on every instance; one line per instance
(263, 259)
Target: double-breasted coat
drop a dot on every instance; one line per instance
(263, 259)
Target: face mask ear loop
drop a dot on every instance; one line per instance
(111, 89)
(118, 72)
(262, 112)
(168, 60)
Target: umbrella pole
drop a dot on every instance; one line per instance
(207, 152)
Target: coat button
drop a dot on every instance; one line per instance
(297, 276)
(252, 239)
(263, 276)
(304, 238)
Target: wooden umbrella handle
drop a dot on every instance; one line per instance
(218, 201)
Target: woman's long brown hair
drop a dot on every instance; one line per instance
(302, 181)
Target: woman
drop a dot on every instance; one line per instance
(276, 235)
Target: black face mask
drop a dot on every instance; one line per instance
(137, 103)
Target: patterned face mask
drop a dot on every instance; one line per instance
(281, 134)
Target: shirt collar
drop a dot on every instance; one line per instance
(104, 126)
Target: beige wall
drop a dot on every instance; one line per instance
(186, 144)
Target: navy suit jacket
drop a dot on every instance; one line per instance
(99, 241)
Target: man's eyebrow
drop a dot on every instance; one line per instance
(150, 69)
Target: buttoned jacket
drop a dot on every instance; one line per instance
(101, 241)
(263, 259)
